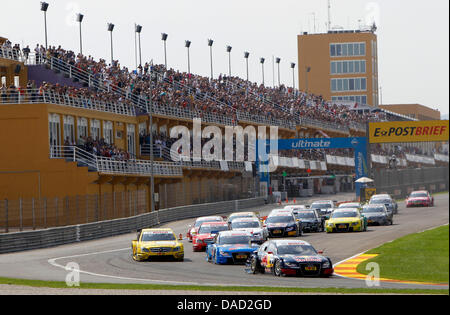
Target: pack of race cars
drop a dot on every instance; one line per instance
(268, 243)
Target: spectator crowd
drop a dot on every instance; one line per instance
(224, 96)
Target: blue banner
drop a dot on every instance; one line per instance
(358, 144)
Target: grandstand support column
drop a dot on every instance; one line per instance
(152, 179)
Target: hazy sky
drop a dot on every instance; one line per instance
(412, 36)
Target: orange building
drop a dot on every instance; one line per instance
(340, 66)
(417, 111)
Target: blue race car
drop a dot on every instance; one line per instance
(231, 247)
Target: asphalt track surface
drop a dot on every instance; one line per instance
(109, 260)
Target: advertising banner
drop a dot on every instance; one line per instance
(408, 131)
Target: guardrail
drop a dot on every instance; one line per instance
(40, 96)
(20, 241)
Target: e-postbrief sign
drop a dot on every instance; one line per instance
(408, 131)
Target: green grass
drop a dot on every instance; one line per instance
(107, 286)
(422, 257)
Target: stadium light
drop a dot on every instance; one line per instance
(111, 29)
(246, 55)
(229, 59)
(80, 19)
(138, 30)
(187, 44)
(262, 65)
(44, 8)
(164, 39)
(293, 75)
(278, 60)
(210, 43)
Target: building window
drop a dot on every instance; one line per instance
(348, 66)
(82, 127)
(69, 130)
(347, 49)
(108, 132)
(333, 50)
(348, 84)
(95, 129)
(360, 99)
(131, 139)
(54, 134)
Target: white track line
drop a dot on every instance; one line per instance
(52, 262)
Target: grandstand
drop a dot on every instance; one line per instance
(74, 126)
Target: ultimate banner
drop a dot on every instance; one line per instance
(408, 131)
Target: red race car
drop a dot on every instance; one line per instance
(420, 198)
(194, 228)
(206, 233)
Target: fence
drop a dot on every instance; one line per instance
(20, 241)
(207, 190)
(26, 214)
(401, 182)
(32, 214)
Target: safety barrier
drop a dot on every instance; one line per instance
(20, 241)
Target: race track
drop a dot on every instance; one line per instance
(109, 260)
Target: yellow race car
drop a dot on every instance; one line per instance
(151, 243)
(346, 220)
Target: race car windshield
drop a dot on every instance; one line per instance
(198, 223)
(344, 214)
(305, 215)
(321, 206)
(373, 210)
(244, 225)
(296, 250)
(151, 237)
(415, 195)
(279, 219)
(380, 201)
(209, 228)
(240, 216)
(349, 206)
(234, 239)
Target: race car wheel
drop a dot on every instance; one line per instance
(277, 269)
(253, 266)
(134, 256)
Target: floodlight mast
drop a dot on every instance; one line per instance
(44, 8)
(164, 39)
(210, 43)
(80, 19)
(111, 29)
